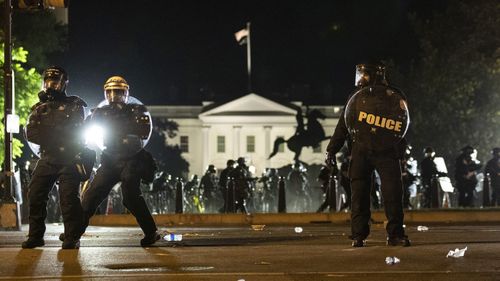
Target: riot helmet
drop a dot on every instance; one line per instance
(429, 152)
(116, 90)
(370, 73)
(467, 150)
(230, 163)
(211, 169)
(241, 161)
(496, 152)
(55, 79)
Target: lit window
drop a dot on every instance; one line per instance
(221, 144)
(250, 143)
(281, 148)
(185, 144)
(317, 149)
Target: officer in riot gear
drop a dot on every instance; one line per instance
(123, 156)
(208, 184)
(376, 119)
(492, 169)
(54, 125)
(223, 180)
(466, 167)
(242, 184)
(428, 170)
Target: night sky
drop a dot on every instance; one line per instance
(183, 52)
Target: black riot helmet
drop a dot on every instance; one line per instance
(370, 73)
(496, 152)
(241, 161)
(467, 150)
(55, 79)
(116, 90)
(429, 152)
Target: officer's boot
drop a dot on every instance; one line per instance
(33, 243)
(399, 241)
(150, 239)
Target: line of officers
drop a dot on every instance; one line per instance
(55, 129)
(212, 192)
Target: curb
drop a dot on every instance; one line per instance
(450, 216)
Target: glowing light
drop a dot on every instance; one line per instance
(94, 136)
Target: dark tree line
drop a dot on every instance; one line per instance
(453, 85)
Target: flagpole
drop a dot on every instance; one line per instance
(249, 60)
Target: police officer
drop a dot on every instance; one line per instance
(376, 119)
(54, 125)
(223, 179)
(208, 184)
(123, 158)
(466, 167)
(492, 169)
(428, 170)
(242, 184)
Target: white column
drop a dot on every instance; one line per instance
(206, 148)
(267, 145)
(236, 142)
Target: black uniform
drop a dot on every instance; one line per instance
(493, 169)
(223, 180)
(55, 126)
(242, 186)
(123, 161)
(465, 178)
(428, 170)
(374, 146)
(208, 184)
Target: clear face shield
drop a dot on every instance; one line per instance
(362, 77)
(116, 95)
(54, 83)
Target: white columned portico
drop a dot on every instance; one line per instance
(267, 145)
(206, 146)
(236, 141)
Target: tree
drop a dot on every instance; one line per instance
(41, 34)
(168, 157)
(27, 84)
(454, 85)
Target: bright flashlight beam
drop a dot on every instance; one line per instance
(94, 136)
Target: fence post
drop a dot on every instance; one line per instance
(486, 190)
(230, 208)
(179, 196)
(281, 196)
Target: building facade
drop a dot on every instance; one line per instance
(245, 127)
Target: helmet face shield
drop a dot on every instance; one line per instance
(55, 84)
(116, 90)
(362, 77)
(116, 95)
(55, 79)
(368, 74)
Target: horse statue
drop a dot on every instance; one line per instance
(312, 136)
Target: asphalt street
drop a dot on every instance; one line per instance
(319, 252)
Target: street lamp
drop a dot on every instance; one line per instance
(9, 210)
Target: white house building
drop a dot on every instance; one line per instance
(245, 127)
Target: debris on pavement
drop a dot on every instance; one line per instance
(422, 228)
(258, 227)
(392, 260)
(457, 253)
(298, 229)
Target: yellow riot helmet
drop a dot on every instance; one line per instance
(116, 90)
